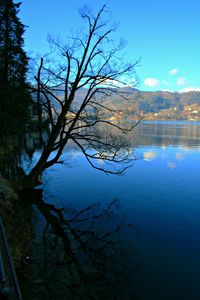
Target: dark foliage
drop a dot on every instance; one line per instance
(13, 68)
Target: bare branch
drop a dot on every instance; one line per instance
(87, 72)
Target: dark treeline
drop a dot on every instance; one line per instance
(13, 68)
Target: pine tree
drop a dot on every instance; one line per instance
(13, 68)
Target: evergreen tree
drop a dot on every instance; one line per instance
(13, 68)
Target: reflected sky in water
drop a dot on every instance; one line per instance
(159, 194)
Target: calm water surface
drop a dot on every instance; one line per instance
(160, 195)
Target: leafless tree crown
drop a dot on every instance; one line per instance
(71, 86)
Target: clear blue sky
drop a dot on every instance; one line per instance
(165, 34)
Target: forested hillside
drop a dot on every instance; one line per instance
(153, 105)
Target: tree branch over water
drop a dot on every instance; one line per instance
(71, 89)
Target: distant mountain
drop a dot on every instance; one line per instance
(153, 105)
(157, 104)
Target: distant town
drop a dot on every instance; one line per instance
(190, 113)
(156, 105)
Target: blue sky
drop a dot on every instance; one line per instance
(164, 34)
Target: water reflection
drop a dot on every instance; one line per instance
(149, 155)
(160, 194)
(156, 133)
(79, 254)
(165, 133)
(17, 148)
(62, 253)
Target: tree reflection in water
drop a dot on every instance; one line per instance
(79, 255)
(63, 253)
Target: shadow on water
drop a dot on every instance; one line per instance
(63, 253)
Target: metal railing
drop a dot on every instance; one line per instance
(9, 286)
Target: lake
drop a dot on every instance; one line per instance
(159, 195)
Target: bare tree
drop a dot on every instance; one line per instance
(88, 69)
